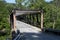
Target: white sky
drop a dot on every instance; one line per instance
(10, 1)
(48, 0)
(13, 1)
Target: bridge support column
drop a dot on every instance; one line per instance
(12, 25)
(14, 17)
(42, 20)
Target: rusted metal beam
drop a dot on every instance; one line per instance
(21, 12)
(42, 20)
(25, 12)
(14, 16)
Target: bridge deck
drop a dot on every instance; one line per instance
(32, 33)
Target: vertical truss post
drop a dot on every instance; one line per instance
(42, 20)
(14, 22)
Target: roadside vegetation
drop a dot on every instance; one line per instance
(51, 14)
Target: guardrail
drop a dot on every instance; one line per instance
(17, 35)
(54, 31)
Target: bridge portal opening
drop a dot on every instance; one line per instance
(26, 15)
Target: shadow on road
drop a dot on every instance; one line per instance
(39, 36)
(35, 36)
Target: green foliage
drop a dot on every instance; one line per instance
(51, 11)
(4, 23)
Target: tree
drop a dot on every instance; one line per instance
(51, 11)
(56, 3)
(4, 24)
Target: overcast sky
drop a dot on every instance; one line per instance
(48, 0)
(10, 1)
(13, 1)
